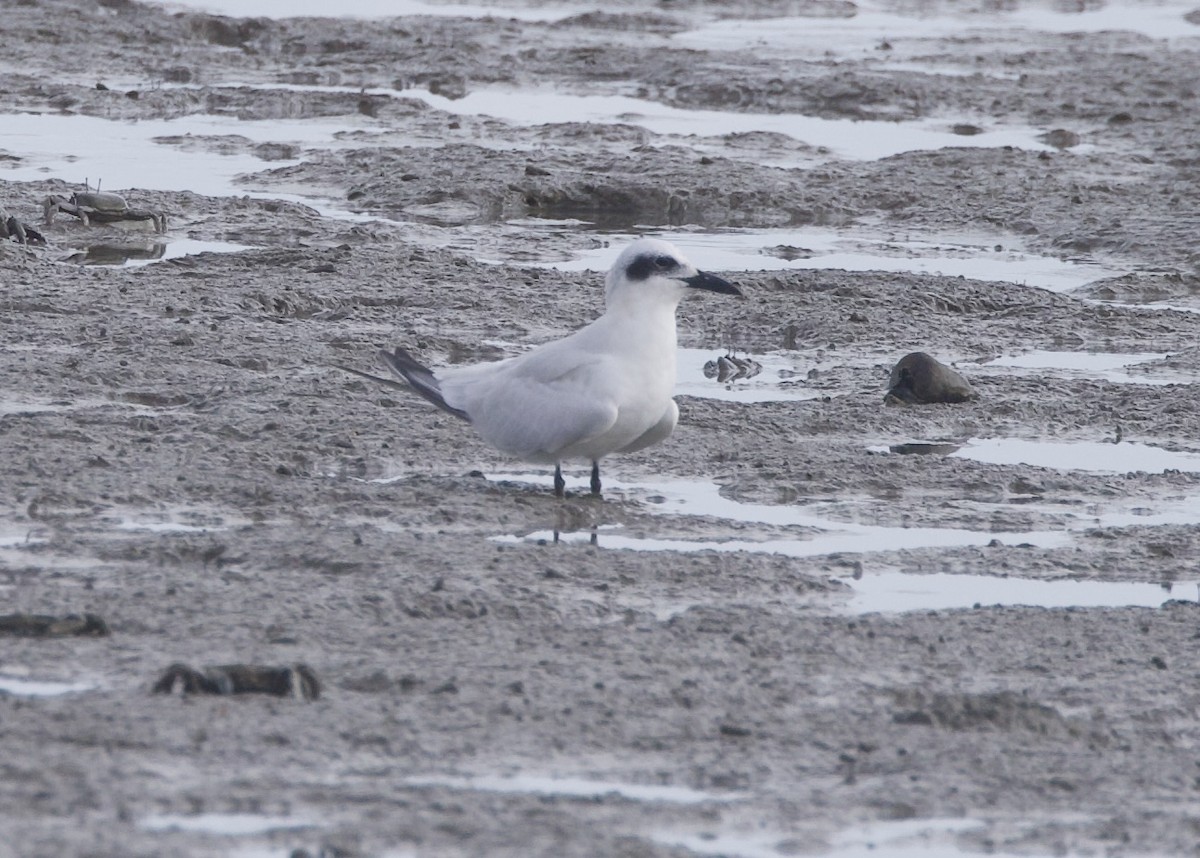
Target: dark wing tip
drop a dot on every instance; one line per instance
(421, 378)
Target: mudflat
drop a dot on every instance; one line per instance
(808, 623)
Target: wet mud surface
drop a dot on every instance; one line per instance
(687, 669)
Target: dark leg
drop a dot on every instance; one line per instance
(560, 485)
(595, 478)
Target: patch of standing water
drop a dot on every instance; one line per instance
(820, 249)
(14, 404)
(170, 522)
(872, 26)
(1126, 457)
(908, 838)
(369, 9)
(729, 844)
(18, 687)
(125, 154)
(855, 539)
(11, 539)
(772, 384)
(1102, 365)
(153, 154)
(856, 139)
(911, 838)
(225, 824)
(696, 498)
(896, 592)
(130, 255)
(131, 154)
(892, 590)
(570, 786)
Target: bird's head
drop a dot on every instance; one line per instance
(653, 271)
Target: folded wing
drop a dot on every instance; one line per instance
(536, 406)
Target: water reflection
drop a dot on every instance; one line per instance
(921, 448)
(135, 254)
(809, 534)
(117, 254)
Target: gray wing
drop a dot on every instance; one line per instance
(658, 432)
(534, 408)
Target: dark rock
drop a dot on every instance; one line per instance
(296, 680)
(1060, 138)
(919, 379)
(44, 626)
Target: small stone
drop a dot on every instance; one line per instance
(1060, 138)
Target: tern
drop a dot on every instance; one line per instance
(607, 388)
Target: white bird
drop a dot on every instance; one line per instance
(604, 389)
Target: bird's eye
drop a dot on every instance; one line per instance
(664, 262)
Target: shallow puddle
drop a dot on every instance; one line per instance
(570, 787)
(1177, 304)
(732, 844)
(19, 687)
(974, 257)
(185, 153)
(872, 26)
(697, 498)
(857, 139)
(774, 381)
(139, 154)
(889, 590)
(896, 592)
(169, 522)
(855, 539)
(1183, 511)
(370, 9)
(130, 255)
(1126, 457)
(910, 838)
(225, 824)
(13, 404)
(1106, 366)
(12, 538)
(181, 155)
(918, 448)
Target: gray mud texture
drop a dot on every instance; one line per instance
(183, 459)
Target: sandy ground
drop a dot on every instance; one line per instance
(182, 458)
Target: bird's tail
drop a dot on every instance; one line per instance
(421, 378)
